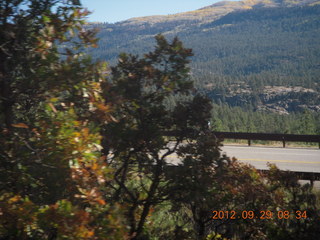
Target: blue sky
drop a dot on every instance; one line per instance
(117, 10)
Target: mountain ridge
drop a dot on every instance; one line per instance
(215, 11)
(249, 49)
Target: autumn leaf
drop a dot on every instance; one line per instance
(101, 202)
(19, 125)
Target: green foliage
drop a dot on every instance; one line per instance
(22, 219)
(289, 195)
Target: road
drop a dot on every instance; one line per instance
(293, 159)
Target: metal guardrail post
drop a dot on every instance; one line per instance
(269, 137)
(262, 136)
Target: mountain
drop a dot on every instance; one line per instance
(215, 11)
(258, 53)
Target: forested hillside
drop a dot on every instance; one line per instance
(236, 119)
(261, 54)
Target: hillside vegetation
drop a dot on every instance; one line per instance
(262, 54)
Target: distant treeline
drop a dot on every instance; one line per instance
(236, 119)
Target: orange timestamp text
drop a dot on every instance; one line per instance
(263, 214)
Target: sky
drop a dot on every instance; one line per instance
(118, 10)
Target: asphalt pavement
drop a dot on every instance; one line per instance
(292, 159)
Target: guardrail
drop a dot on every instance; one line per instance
(269, 137)
(262, 136)
(311, 176)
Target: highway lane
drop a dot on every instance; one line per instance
(292, 159)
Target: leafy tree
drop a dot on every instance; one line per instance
(289, 195)
(202, 168)
(52, 173)
(138, 141)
